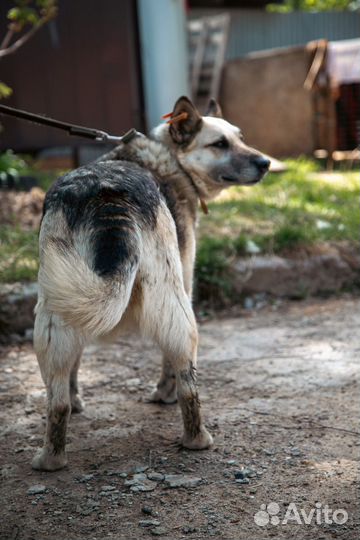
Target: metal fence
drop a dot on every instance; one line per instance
(257, 30)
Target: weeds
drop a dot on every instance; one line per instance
(18, 254)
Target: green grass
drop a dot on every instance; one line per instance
(299, 207)
(18, 254)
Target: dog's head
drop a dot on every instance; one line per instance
(211, 149)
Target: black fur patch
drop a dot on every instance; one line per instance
(108, 199)
(57, 423)
(189, 401)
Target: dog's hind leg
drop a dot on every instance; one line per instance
(58, 348)
(195, 437)
(165, 391)
(169, 318)
(77, 405)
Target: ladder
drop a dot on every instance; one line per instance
(208, 38)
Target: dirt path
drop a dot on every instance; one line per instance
(280, 397)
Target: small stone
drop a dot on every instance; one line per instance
(158, 531)
(92, 503)
(123, 475)
(108, 488)
(249, 303)
(187, 529)
(232, 462)
(145, 485)
(140, 469)
(133, 382)
(147, 510)
(242, 481)
(136, 479)
(179, 480)
(295, 452)
(37, 489)
(86, 478)
(157, 477)
(244, 473)
(149, 523)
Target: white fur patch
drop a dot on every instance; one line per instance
(83, 299)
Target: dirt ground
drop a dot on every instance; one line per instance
(280, 395)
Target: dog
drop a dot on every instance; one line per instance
(117, 251)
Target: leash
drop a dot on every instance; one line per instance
(90, 133)
(72, 129)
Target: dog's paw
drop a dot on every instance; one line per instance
(161, 396)
(77, 405)
(46, 461)
(202, 441)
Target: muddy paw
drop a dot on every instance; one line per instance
(77, 405)
(46, 461)
(200, 442)
(160, 396)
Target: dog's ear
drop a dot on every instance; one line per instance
(214, 109)
(189, 123)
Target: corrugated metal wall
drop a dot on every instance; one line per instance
(257, 30)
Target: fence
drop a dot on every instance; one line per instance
(255, 30)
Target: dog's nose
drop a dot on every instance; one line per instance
(262, 163)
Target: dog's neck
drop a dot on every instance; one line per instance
(206, 191)
(156, 157)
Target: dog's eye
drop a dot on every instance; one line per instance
(222, 143)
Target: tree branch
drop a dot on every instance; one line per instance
(8, 37)
(21, 41)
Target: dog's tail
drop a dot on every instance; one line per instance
(84, 299)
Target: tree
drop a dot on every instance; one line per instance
(25, 20)
(313, 5)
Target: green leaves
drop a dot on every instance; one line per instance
(312, 5)
(23, 16)
(5, 90)
(30, 13)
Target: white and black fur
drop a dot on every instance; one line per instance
(117, 250)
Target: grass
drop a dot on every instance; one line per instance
(299, 207)
(18, 254)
